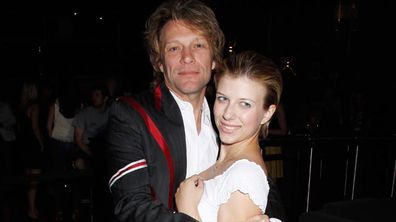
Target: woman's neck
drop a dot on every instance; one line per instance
(238, 150)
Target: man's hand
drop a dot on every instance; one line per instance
(188, 196)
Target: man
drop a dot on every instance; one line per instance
(168, 136)
(89, 124)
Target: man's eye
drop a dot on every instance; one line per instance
(199, 45)
(173, 49)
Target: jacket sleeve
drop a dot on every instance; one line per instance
(275, 207)
(128, 170)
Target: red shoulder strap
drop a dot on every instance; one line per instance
(160, 140)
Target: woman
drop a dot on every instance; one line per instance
(235, 188)
(30, 141)
(61, 144)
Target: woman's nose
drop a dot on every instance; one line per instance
(227, 114)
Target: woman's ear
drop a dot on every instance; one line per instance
(268, 114)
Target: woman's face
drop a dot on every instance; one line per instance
(239, 109)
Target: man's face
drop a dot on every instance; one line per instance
(97, 98)
(187, 59)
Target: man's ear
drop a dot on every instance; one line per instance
(161, 67)
(268, 114)
(213, 65)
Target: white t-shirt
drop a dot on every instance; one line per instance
(243, 175)
(92, 121)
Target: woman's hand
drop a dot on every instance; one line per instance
(188, 196)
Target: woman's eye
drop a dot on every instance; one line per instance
(221, 98)
(246, 104)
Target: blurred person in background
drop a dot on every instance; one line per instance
(61, 144)
(30, 142)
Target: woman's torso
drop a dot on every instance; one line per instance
(243, 175)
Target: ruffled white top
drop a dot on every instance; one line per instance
(244, 176)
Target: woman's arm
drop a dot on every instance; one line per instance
(50, 119)
(79, 140)
(238, 208)
(34, 118)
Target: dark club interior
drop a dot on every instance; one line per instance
(337, 160)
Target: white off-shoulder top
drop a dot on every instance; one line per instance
(244, 176)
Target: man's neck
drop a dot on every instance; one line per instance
(100, 108)
(196, 101)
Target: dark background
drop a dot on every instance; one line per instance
(335, 48)
(337, 51)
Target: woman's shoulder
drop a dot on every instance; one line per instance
(246, 177)
(245, 168)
